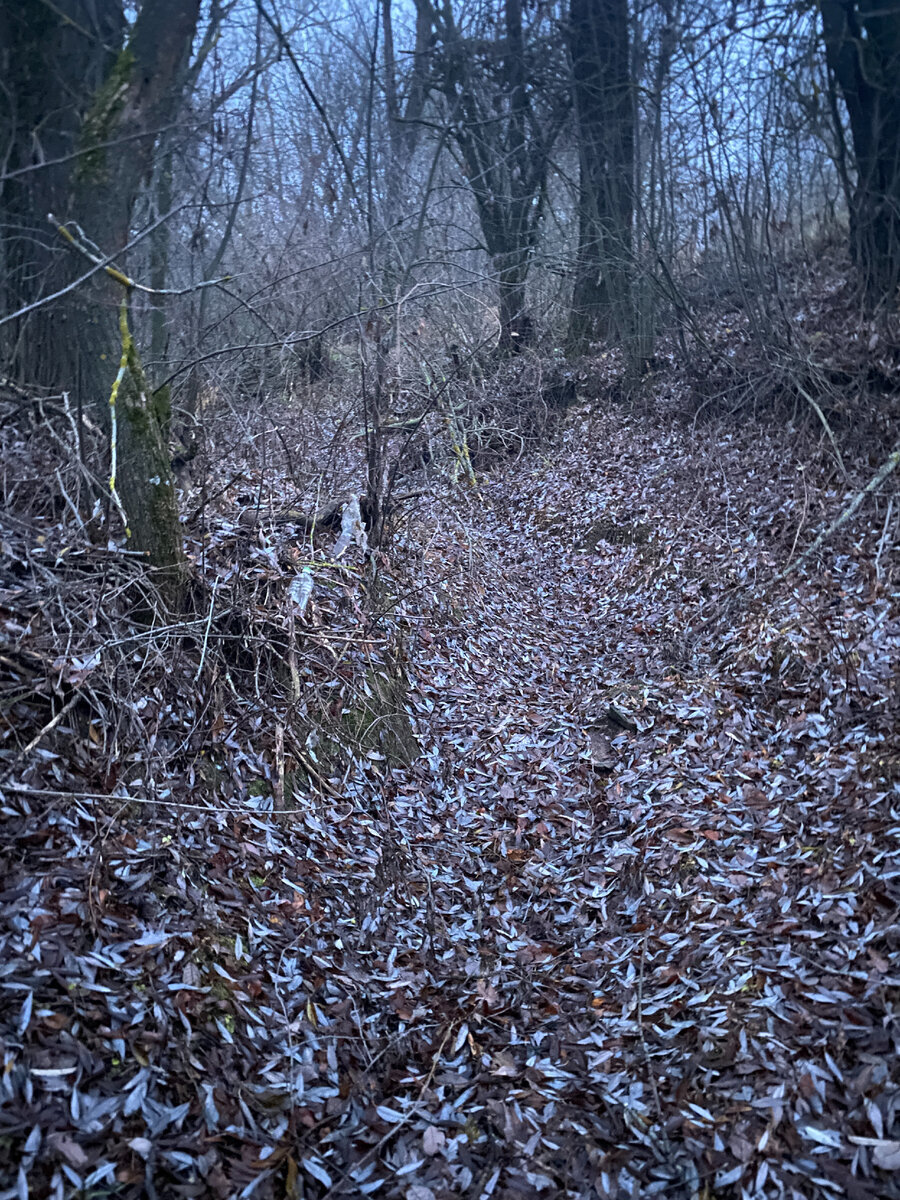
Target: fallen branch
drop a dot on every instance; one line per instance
(329, 514)
(874, 483)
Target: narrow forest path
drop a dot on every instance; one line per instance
(628, 927)
(667, 945)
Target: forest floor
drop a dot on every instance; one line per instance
(628, 926)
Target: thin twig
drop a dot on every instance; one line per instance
(212, 602)
(105, 263)
(883, 539)
(67, 707)
(413, 1112)
(19, 789)
(100, 266)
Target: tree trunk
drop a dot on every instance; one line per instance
(862, 47)
(139, 95)
(84, 340)
(516, 325)
(403, 127)
(53, 60)
(604, 110)
(143, 469)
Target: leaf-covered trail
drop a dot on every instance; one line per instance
(680, 975)
(557, 956)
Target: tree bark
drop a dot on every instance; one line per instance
(516, 325)
(78, 346)
(403, 128)
(53, 60)
(604, 111)
(862, 48)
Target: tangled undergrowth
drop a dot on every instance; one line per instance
(627, 925)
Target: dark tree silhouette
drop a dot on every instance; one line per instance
(862, 46)
(604, 111)
(505, 112)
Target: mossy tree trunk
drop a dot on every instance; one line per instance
(139, 421)
(137, 95)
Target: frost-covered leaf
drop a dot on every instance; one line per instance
(317, 1170)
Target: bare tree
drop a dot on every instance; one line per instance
(505, 108)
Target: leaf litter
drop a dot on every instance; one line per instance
(627, 927)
